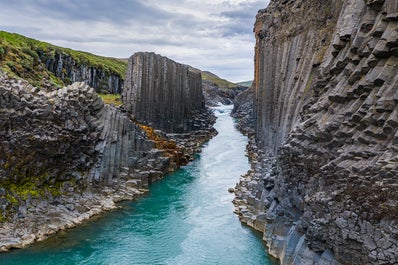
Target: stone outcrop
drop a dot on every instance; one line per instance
(66, 156)
(70, 71)
(243, 111)
(163, 93)
(215, 95)
(323, 188)
(58, 150)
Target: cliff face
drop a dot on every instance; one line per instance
(214, 95)
(326, 106)
(44, 65)
(243, 111)
(66, 156)
(163, 93)
(292, 39)
(66, 135)
(66, 68)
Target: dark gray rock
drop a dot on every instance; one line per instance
(324, 108)
(65, 156)
(162, 93)
(67, 69)
(215, 95)
(243, 110)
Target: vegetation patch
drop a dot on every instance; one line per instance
(170, 147)
(216, 80)
(112, 99)
(28, 58)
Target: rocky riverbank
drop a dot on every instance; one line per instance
(65, 156)
(323, 187)
(42, 217)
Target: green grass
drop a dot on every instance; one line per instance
(114, 99)
(219, 82)
(25, 57)
(245, 83)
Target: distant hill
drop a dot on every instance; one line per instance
(245, 83)
(216, 80)
(39, 62)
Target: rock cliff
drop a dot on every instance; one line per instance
(58, 149)
(66, 156)
(215, 95)
(163, 93)
(69, 70)
(243, 111)
(323, 188)
(42, 63)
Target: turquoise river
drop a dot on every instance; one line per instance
(187, 218)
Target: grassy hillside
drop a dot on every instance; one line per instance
(25, 57)
(245, 83)
(221, 83)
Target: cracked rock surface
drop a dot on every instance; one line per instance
(324, 187)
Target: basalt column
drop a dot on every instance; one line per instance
(162, 93)
(326, 108)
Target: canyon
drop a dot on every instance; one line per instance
(66, 156)
(323, 184)
(321, 115)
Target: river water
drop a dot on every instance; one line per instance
(187, 218)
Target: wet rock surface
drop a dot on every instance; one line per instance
(65, 156)
(323, 187)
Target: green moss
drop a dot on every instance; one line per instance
(2, 216)
(114, 99)
(10, 64)
(12, 199)
(55, 80)
(31, 187)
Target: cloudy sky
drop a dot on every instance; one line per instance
(213, 35)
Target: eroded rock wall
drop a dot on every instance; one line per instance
(64, 157)
(243, 111)
(70, 71)
(324, 185)
(162, 93)
(64, 134)
(292, 38)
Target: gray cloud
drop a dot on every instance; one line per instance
(119, 11)
(210, 35)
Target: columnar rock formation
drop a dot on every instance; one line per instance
(163, 93)
(65, 155)
(68, 70)
(326, 105)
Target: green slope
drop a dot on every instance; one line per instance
(245, 83)
(218, 81)
(25, 57)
